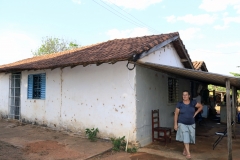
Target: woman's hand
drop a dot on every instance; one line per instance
(175, 127)
(199, 109)
(176, 119)
(195, 114)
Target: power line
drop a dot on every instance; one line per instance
(135, 18)
(124, 17)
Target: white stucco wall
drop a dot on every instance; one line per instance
(152, 92)
(100, 97)
(85, 97)
(167, 55)
(4, 94)
(43, 111)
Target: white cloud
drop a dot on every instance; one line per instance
(219, 5)
(136, 32)
(197, 19)
(230, 44)
(15, 46)
(225, 14)
(237, 7)
(228, 20)
(171, 19)
(219, 27)
(77, 1)
(190, 33)
(140, 4)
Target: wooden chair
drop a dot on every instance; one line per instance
(221, 135)
(163, 133)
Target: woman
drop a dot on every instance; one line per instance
(184, 122)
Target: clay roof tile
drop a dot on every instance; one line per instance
(105, 52)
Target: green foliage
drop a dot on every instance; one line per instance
(92, 134)
(235, 74)
(216, 88)
(118, 143)
(132, 150)
(54, 45)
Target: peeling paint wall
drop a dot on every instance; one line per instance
(152, 93)
(85, 97)
(4, 94)
(167, 55)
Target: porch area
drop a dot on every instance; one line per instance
(205, 137)
(231, 83)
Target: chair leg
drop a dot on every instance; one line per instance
(217, 141)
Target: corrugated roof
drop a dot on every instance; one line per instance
(206, 77)
(106, 52)
(200, 65)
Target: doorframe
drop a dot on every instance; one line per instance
(14, 116)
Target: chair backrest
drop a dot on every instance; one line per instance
(155, 118)
(225, 131)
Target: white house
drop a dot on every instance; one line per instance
(103, 85)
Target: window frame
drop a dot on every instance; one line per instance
(173, 99)
(31, 89)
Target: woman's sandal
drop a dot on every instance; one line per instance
(188, 156)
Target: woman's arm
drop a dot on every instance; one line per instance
(199, 108)
(176, 118)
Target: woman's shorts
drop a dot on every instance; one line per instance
(186, 133)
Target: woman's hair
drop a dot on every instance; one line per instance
(186, 91)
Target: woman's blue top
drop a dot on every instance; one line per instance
(186, 112)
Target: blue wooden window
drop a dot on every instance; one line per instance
(37, 86)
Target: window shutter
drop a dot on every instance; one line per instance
(30, 87)
(43, 85)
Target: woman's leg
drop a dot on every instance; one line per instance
(186, 145)
(184, 150)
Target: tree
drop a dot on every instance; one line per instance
(235, 74)
(216, 88)
(54, 45)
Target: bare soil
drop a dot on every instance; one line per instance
(129, 156)
(202, 150)
(30, 142)
(10, 152)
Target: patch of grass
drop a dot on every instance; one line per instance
(92, 134)
(132, 150)
(118, 143)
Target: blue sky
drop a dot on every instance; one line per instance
(209, 28)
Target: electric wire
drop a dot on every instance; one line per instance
(124, 17)
(142, 24)
(134, 17)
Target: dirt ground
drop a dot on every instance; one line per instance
(202, 150)
(29, 142)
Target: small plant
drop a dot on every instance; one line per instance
(132, 150)
(92, 134)
(118, 143)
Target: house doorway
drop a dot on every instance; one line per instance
(14, 96)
